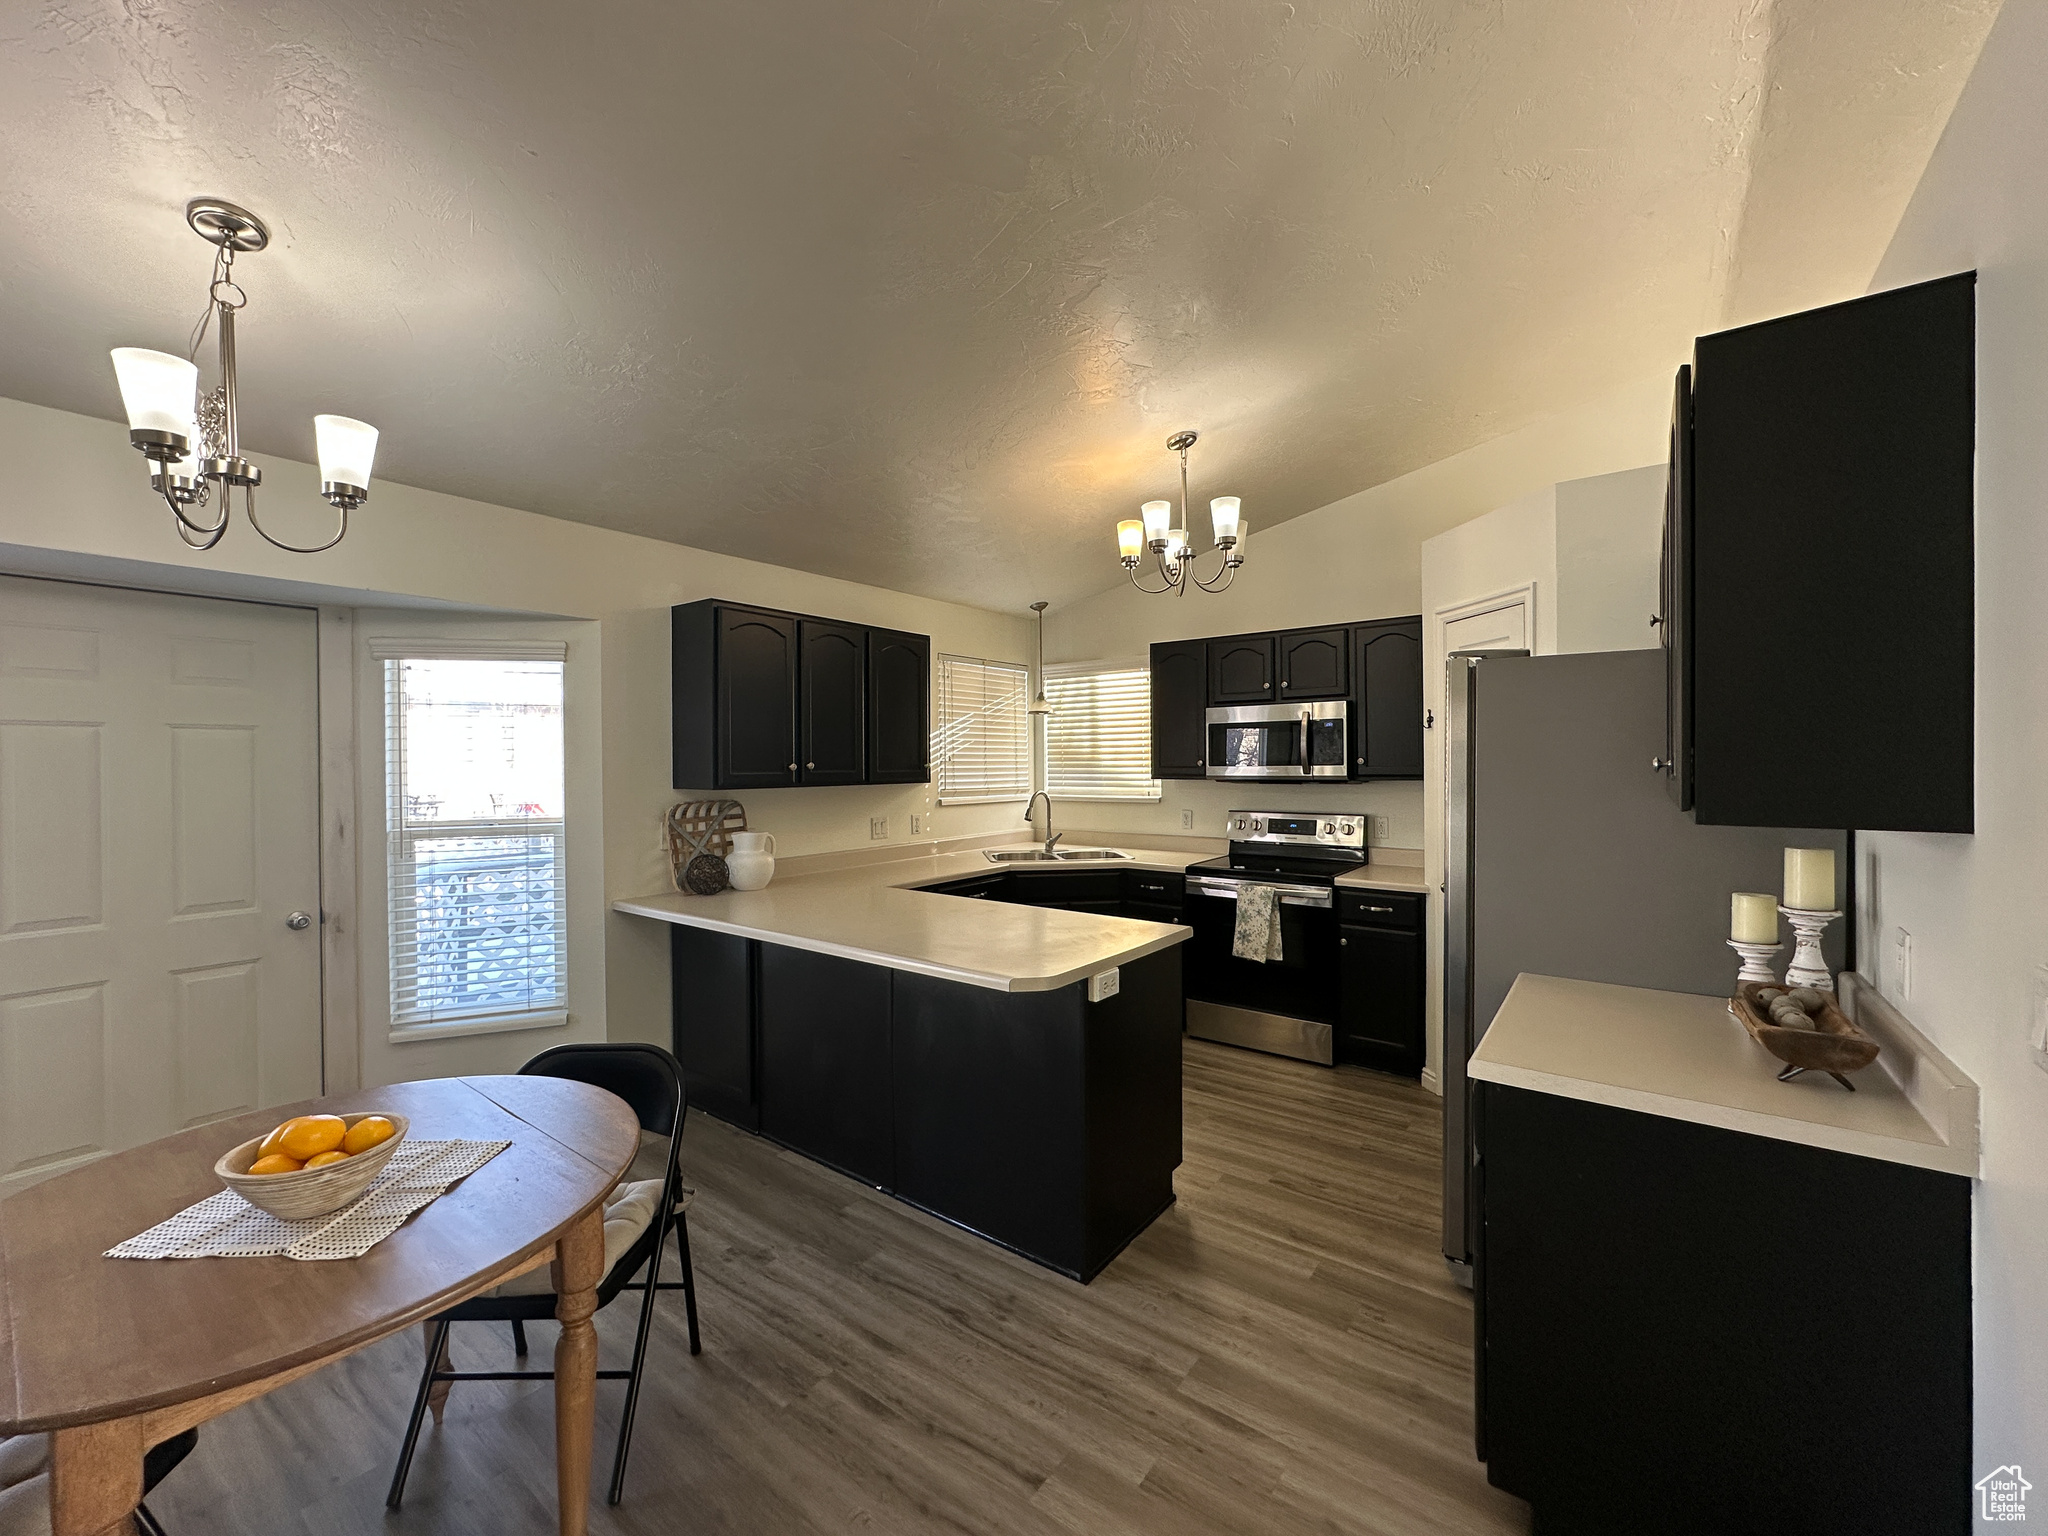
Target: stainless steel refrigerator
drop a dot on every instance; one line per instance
(1565, 856)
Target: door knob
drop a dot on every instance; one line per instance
(299, 921)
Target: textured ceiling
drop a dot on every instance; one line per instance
(913, 292)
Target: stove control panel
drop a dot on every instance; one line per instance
(1325, 829)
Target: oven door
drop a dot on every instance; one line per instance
(1280, 741)
(1301, 984)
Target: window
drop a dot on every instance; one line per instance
(475, 854)
(982, 746)
(1098, 742)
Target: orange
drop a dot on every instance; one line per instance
(302, 1137)
(276, 1162)
(322, 1159)
(370, 1131)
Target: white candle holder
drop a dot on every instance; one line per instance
(1808, 969)
(1756, 961)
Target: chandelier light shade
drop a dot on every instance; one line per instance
(347, 449)
(161, 395)
(1223, 513)
(1168, 540)
(193, 440)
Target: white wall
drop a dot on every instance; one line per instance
(1977, 906)
(1610, 531)
(1358, 558)
(75, 503)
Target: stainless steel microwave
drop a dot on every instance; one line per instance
(1280, 741)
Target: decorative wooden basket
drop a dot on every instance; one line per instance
(1834, 1045)
(699, 842)
(310, 1191)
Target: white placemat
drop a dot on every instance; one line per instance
(225, 1226)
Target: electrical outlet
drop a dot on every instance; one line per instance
(916, 824)
(1187, 821)
(878, 828)
(1902, 966)
(1382, 830)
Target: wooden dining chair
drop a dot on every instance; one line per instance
(650, 1080)
(25, 1481)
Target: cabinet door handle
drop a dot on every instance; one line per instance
(1387, 910)
(810, 765)
(1343, 943)
(792, 767)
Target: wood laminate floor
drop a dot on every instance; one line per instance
(1282, 1351)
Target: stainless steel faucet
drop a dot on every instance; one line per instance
(1051, 836)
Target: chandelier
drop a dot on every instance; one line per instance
(1169, 541)
(193, 441)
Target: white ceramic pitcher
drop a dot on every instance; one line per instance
(751, 864)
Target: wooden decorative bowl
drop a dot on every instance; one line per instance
(1834, 1045)
(310, 1191)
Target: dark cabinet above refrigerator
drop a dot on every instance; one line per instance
(766, 700)
(1819, 568)
(1375, 664)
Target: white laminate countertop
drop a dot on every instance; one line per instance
(876, 913)
(1685, 1057)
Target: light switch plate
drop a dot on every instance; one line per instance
(878, 827)
(1902, 966)
(1104, 985)
(916, 824)
(2037, 1026)
(1187, 821)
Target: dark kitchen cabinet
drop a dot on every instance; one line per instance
(1241, 670)
(990, 887)
(766, 700)
(1314, 664)
(755, 670)
(1828, 567)
(1075, 890)
(899, 707)
(1180, 694)
(1386, 715)
(825, 1047)
(1379, 992)
(712, 1023)
(1659, 1303)
(831, 711)
(1153, 895)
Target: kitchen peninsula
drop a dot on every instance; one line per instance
(1012, 1068)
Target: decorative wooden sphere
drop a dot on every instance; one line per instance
(706, 875)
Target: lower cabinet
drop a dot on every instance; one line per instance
(825, 1078)
(711, 1028)
(1380, 981)
(1702, 1332)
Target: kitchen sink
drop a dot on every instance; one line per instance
(1040, 856)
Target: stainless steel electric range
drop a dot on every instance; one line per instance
(1287, 1006)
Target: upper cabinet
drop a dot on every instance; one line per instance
(832, 726)
(1375, 665)
(1314, 664)
(1241, 670)
(899, 707)
(1820, 568)
(766, 700)
(1180, 693)
(1387, 717)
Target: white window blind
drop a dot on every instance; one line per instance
(981, 747)
(476, 866)
(1098, 742)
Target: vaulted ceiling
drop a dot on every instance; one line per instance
(912, 291)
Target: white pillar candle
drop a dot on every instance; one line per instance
(1810, 879)
(1754, 918)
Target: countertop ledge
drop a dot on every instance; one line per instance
(877, 914)
(1683, 1056)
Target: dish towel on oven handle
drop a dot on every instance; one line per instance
(1258, 923)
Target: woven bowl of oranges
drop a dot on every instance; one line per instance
(312, 1164)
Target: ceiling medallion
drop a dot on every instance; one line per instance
(1170, 545)
(193, 441)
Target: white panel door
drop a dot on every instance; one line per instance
(159, 823)
(1505, 628)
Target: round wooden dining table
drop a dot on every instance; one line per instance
(113, 1356)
